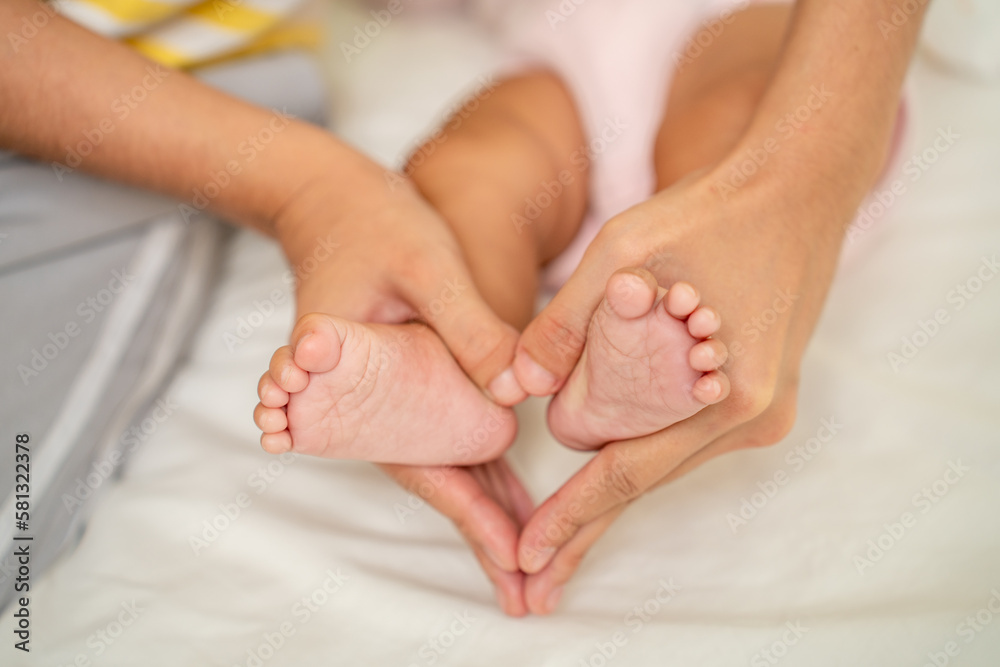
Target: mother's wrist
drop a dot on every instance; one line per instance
(818, 189)
(345, 196)
(805, 158)
(330, 182)
(298, 168)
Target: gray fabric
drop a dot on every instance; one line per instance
(58, 508)
(66, 244)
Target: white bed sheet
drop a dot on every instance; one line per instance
(398, 585)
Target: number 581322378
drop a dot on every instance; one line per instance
(22, 480)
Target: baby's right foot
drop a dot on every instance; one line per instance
(648, 363)
(376, 392)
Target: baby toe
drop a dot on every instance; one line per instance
(681, 300)
(286, 373)
(711, 387)
(276, 443)
(270, 420)
(703, 322)
(707, 355)
(270, 394)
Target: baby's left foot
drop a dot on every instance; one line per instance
(648, 363)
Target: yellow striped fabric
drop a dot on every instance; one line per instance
(187, 33)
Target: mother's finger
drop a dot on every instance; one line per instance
(509, 586)
(490, 530)
(482, 343)
(543, 590)
(552, 343)
(503, 484)
(618, 474)
(458, 495)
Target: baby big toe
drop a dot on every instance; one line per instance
(631, 292)
(270, 394)
(316, 343)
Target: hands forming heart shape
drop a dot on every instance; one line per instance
(771, 138)
(530, 553)
(422, 330)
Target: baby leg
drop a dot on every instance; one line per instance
(506, 179)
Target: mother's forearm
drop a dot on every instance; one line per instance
(823, 128)
(81, 101)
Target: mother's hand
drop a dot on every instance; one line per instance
(489, 506)
(765, 261)
(373, 250)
